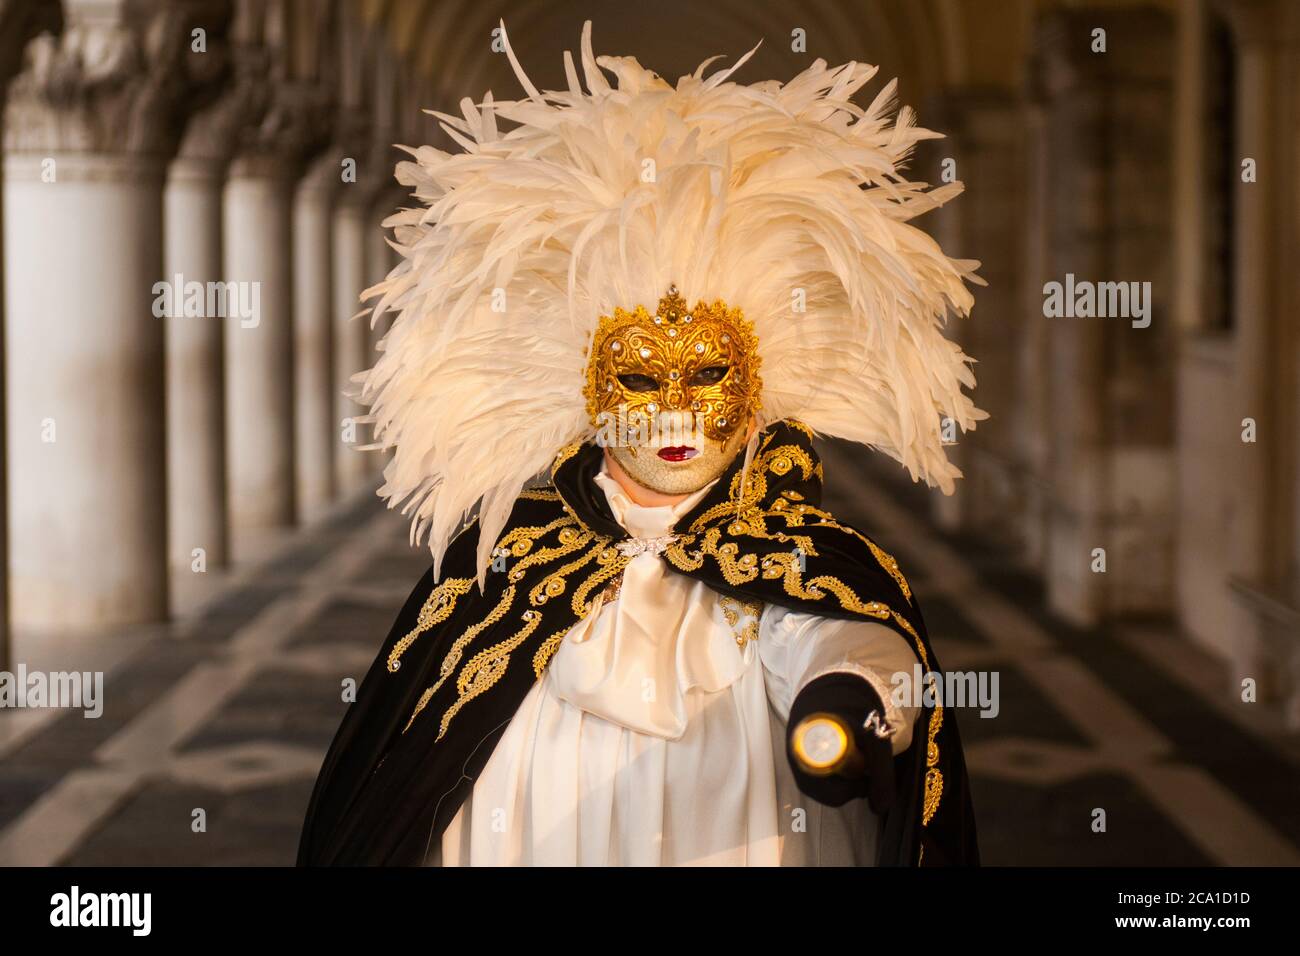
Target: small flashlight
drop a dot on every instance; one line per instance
(823, 745)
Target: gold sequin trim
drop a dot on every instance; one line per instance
(933, 776)
(800, 427)
(888, 562)
(540, 494)
(564, 454)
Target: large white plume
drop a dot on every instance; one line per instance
(784, 200)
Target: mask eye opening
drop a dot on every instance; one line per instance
(635, 382)
(711, 375)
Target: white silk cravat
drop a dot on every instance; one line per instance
(664, 638)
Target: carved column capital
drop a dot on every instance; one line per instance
(20, 20)
(294, 126)
(214, 131)
(115, 79)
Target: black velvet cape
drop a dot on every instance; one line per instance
(458, 662)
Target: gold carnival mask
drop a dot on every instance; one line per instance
(671, 394)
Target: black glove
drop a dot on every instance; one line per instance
(870, 772)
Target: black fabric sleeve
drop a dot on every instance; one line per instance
(850, 698)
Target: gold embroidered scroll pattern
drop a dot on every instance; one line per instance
(485, 668)
(734, 609)
(890, 564)
(442, 600)
(489, 666)
(753, 523)
(458, 649)
(611, 564)
(520, 541)
(883, 558)
(886, 560)
(555, 583)
(610, 569)
(735, 569)
(437, 608)
(546, 651)
(747, 492)
(570, 540)
(749, 518)
(801, 427)
(738, 569)
(786, 567)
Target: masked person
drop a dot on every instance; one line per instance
(668, 652)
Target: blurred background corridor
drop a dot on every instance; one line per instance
(192, 204)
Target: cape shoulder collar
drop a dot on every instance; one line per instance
(765, 521)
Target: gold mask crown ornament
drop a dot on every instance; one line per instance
(702, 360)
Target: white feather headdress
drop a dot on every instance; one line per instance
(784, 200)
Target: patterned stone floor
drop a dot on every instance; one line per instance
(228, 712)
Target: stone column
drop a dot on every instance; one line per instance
(20, 20)
(197, 519)
(85, 390)
(1032, 423)
(1111, 384)
(358, 264)
(89, 126)
(259, 348)
(984, 148)
(259, 257)
(364, 140)
(1208, 434)
(351, 337)
(314, 336)
(195, 421)
(1263, 545)
(1189, 170)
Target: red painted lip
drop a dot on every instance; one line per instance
(677, 453)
